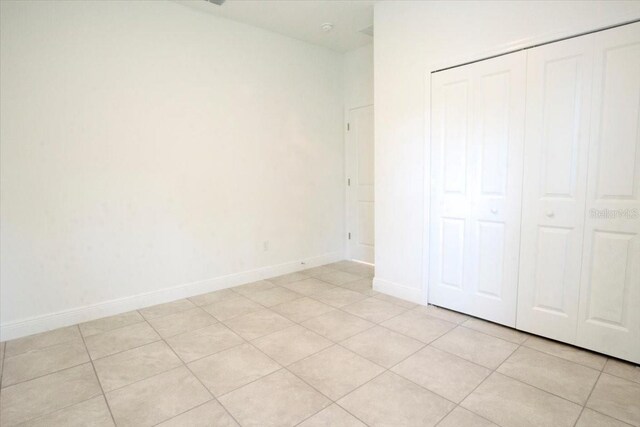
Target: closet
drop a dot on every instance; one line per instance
(535, 190)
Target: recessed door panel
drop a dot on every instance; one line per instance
(477, 126)
(554, 245)
(491, 244)
(559, 81)
(456, 103)
(609, 318)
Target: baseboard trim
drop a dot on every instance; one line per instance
(398, 291)
(47, 322)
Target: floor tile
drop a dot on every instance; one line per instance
(318, 271)
(623, 369)
(121, 339)
(291, 344)
(476, 347)
(396, 301)
(157, 399)
(363, 270)
(232, 307)
(250, 288)
(390, 400)
(302, 309)
(343, 265)
(332, 416)
(364, 286)
(460, 417)
(257, 324)
(2, 345)
(204, 342)
(92, 412)
(510, 403)
(335, 371)
(338, 297)
(308, 286)
(444, 314)
(445, 374)
(33, 364)
(229, 369)
(566, 379)
(166, 309)
(382, 346)
(134, 365)
(42, 340)
(213, 297)
(337, 325)
(41, 396)
(374, 310)
(109, 323)
(499, 331)
(418, 325)
(616, 397)
(591, 418)
(338, 278)
(287, 278)
(210, 414)
(274, 296)
(185, 321)
(280, 399)
(567, 352)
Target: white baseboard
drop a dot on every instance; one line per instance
(399, 291)
(86, 313)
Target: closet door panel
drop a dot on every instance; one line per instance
(477, 117)
(559, 81)
(610, 288)
(451, 104)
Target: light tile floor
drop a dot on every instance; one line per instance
(314, 348)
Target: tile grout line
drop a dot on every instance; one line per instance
(588, 397)
(194, 375)
(95, 373)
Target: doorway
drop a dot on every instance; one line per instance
(360, 185)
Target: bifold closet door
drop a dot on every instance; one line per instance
(476, 176)
(609, 314)
(559, 78)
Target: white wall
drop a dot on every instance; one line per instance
(358, 74)
(146, 146)
(412, 38)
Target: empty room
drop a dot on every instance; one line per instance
(315, 213)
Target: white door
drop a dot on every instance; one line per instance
(360, 188)
(554, 185)
(476, 151)
(609, 316)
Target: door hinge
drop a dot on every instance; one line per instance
(349, 236)
(348, 126)
(349, 182)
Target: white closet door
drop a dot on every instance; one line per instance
(477, 122)
(609, 317)
(555, 176)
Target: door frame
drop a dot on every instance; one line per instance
(350, 157)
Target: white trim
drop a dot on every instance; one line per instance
(399, 291)
(77, 315)
(463, 59)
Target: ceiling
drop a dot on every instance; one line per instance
(301, 19)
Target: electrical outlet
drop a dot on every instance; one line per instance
(265, 245)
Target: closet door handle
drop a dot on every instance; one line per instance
(550, 214)
(494, 211)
